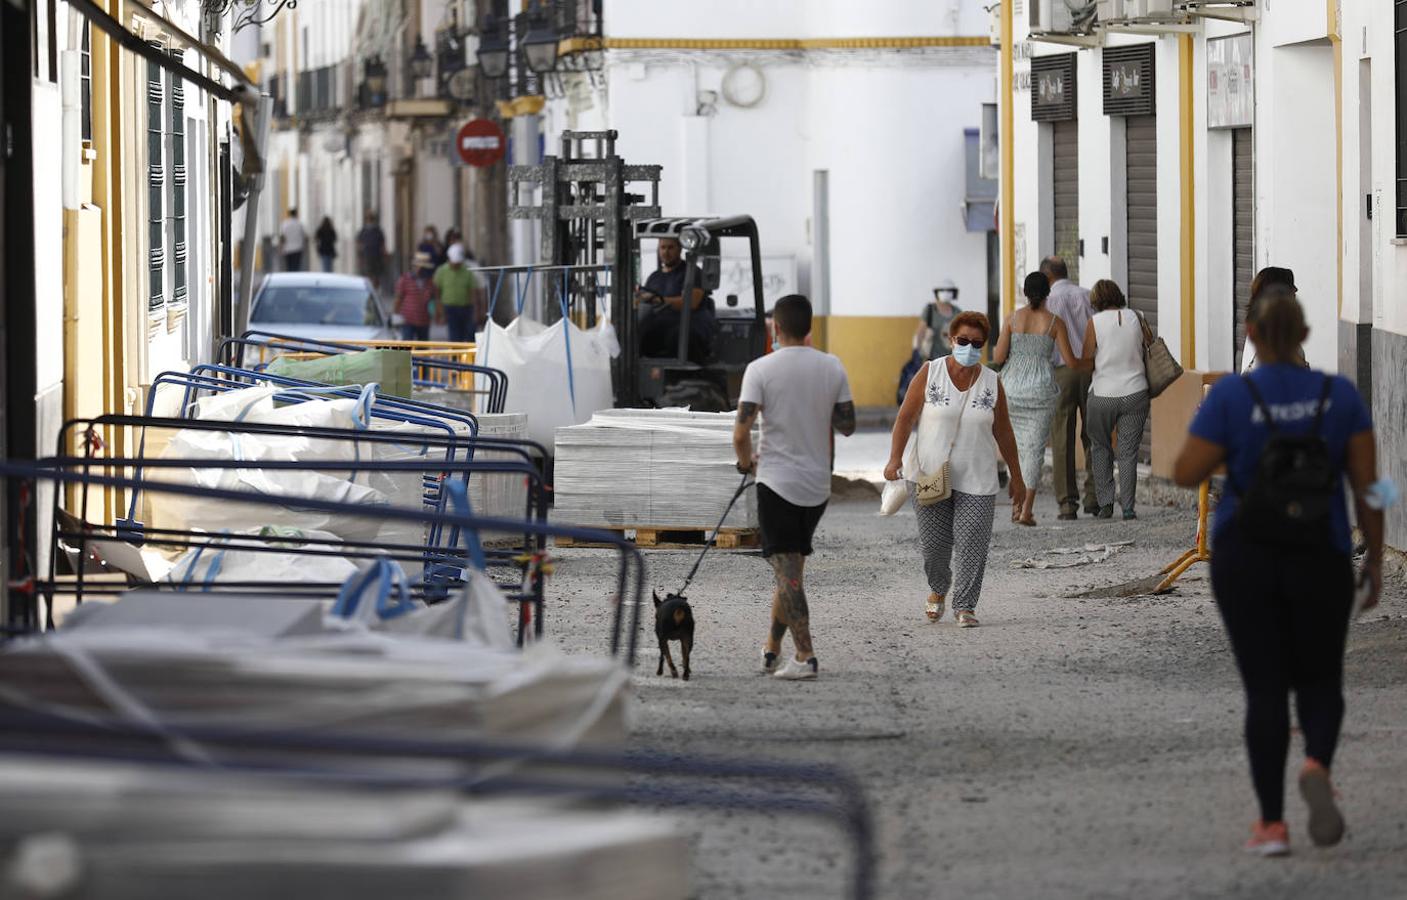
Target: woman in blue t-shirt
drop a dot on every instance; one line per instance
(1286, 600)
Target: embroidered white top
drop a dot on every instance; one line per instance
(973, 463)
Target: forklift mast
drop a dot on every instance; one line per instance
(583, 202)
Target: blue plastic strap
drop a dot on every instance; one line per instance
(523, 285)
(459, 502)
(389, 576)
(567, 335)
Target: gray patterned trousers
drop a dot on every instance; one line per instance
(954, 535)
(1127, 415)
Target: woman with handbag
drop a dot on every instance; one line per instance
(1116, 340)
(959, 408)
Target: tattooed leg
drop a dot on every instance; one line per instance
(791, 600)
(779, 625)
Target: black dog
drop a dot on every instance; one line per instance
(674, 621)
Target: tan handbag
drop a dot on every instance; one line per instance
(938, 486)
(1158, 363)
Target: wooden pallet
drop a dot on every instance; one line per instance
(676, 538)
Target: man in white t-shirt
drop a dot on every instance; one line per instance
(803, 397)
(292, 241)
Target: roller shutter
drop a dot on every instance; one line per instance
(1141, 139)
(1067, 194)
(1243, 232)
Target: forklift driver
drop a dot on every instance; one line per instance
(664, 292)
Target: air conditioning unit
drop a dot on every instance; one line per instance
(1111, 10)
(1050, 15)
(1147, 9)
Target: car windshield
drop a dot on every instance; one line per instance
(314, 304)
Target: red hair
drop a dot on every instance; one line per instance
(972, 318)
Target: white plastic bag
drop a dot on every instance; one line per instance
(201, 567)
(378, 597)
(535, 360)
(894, 496)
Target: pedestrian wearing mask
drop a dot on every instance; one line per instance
(414, 292)
(958, 408)
(1118, 396)
(1281, 565)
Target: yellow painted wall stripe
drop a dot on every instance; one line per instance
(1186, 104)
(837, 43)
(1007, 207)
(1336, 40)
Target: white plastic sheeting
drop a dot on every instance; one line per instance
(116, 831)
(650, 469)
(540, 383)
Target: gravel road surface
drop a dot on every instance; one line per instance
(1067, 748)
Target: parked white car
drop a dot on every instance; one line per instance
(320, 306)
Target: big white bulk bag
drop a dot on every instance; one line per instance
(540, 383)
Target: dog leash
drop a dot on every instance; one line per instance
(708, 546)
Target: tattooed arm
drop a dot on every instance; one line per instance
(843, 417)
(742, 436)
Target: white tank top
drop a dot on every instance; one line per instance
(1118, 357)
(974, 454)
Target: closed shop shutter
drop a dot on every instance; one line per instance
(1067, 194)
(1243, 232)
(1141, 139)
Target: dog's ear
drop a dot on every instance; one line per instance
(657, 597)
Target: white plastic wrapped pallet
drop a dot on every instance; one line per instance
(534, 357)
(650, 469)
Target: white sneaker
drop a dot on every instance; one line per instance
(796, 670)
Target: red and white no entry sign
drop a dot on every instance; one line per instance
(480, 142)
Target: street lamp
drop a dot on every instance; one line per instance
(493, 48)
(374, 78)
(540, 42)
(422, 64)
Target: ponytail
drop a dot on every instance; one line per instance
(1036, 289)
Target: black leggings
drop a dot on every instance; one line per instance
(1286, 611)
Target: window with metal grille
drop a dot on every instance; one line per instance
(305, 93)
(176, 187)
(322, 99)
(156, 193)
(85, 82)
(1400, 61)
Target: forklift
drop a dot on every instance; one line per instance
(593, 227)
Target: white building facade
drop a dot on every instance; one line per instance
(1179, 148)
(846, 130)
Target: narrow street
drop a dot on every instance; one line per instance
(1067, 748)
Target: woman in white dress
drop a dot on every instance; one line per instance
(959, 409)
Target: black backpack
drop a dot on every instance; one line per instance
(1291, 496)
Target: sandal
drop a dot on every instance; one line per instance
(966, 618)
(934, 607)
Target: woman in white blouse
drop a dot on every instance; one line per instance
(955, 412)
(1118, 396)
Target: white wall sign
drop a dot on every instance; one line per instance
(1231, 95)
(778, 279)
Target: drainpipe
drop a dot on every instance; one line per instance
(251, 215)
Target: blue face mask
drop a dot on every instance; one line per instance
(776, 345)
(967, 355)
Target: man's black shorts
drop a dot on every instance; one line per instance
(786, 527)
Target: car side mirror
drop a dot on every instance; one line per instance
(732, 300)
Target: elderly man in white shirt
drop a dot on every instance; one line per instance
(1071, 303)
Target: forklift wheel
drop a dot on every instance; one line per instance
(695, 394)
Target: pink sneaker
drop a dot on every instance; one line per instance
(1269, 839)
(1326, 824)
